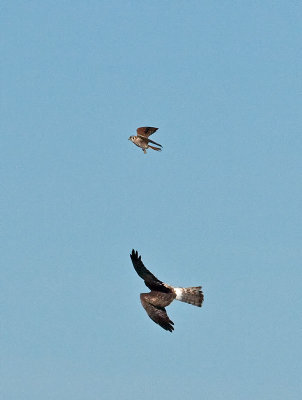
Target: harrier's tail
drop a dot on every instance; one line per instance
(155, 148)
(191, 295)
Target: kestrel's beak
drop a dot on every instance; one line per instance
(129, 137)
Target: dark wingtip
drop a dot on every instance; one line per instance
(134, 254)
(169, 327)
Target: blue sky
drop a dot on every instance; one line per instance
(220, 206)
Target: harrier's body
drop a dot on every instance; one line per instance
(142, 139)
(162, 295)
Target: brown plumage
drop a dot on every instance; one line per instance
(142, 139)
(162, 295)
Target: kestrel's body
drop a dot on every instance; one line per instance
(162, 295)
(142, 139)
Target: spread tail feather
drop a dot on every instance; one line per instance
(191, 295)
(155, 148)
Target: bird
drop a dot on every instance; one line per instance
(162, 295)
(142, 139)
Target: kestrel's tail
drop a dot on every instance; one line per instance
(155, 148)
(191, 295)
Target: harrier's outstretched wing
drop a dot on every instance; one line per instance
(158, 315)
(146, 131)
(150, 280)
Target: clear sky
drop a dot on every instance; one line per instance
(220, 206)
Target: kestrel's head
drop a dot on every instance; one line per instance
(131, 138)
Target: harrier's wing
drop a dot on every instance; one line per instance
(150, 280)
(158, 315)
(146, 131)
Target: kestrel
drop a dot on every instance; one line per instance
(162, 295)
(142, 139)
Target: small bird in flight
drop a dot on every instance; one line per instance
(162, 295)
(142, 139)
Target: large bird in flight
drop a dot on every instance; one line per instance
(142, 139)
(162, 295)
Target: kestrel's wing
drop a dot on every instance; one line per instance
(150, 280)
(146, 131)
(151, 141)
(158, 315)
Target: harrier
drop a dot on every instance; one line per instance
(142, 139)
(162, 295)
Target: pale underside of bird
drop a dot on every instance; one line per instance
(142, 139)
(162, 295)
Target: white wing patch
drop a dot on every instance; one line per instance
(179, 293)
